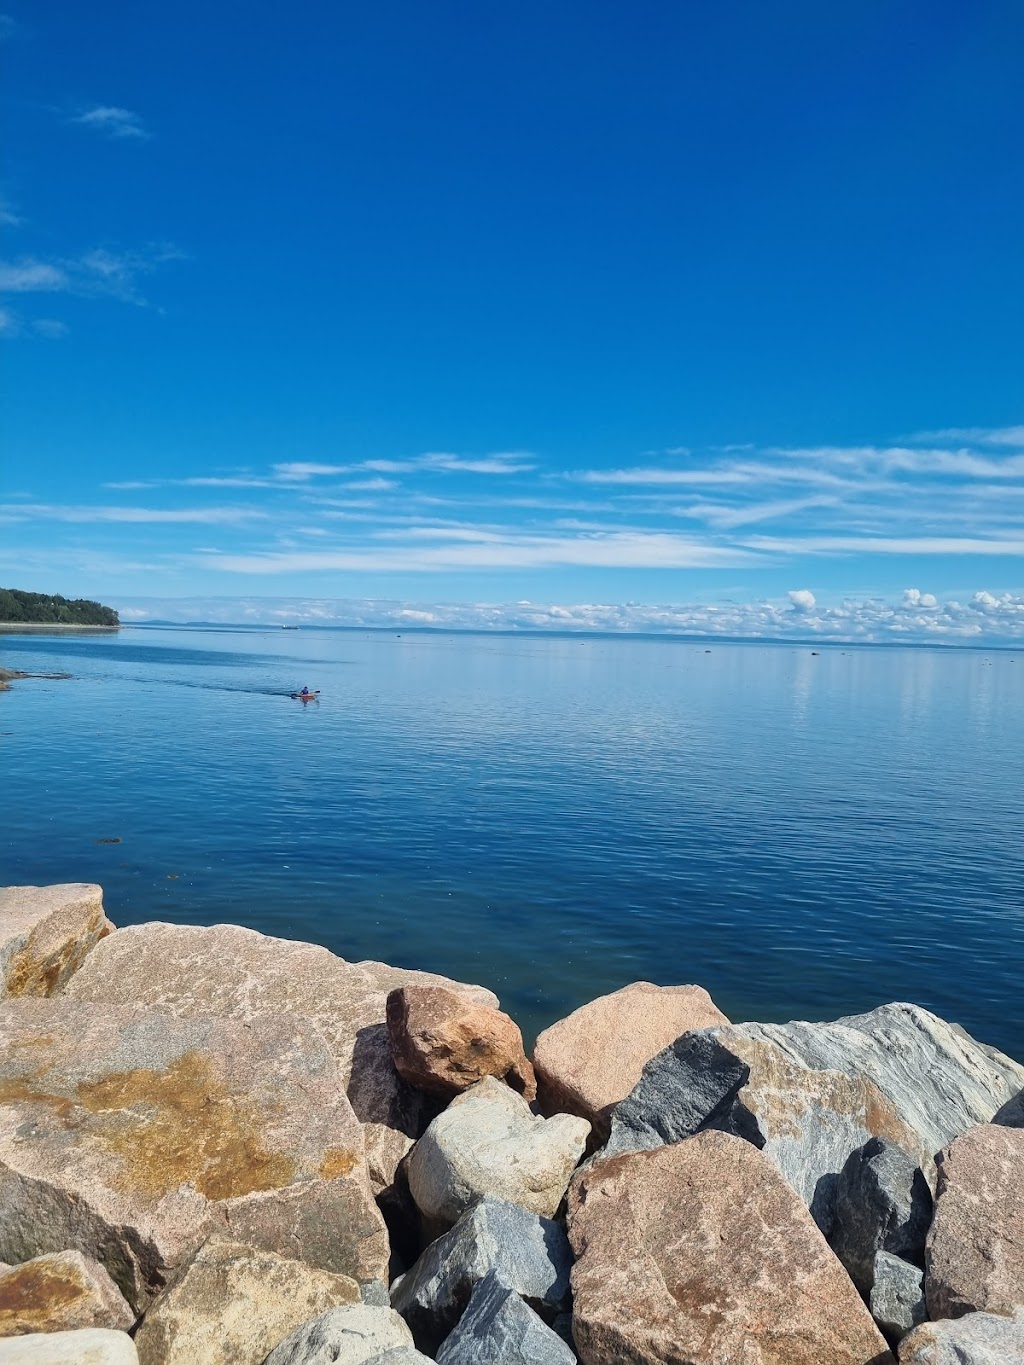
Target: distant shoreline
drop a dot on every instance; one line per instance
(14, 627)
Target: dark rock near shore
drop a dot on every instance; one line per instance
(528, 1255)
(883, 1203)
(498, 1328)
(897, 1296)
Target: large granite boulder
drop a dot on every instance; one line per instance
(61, 1292)
(527, 1254)
(132, 1136)
(498, 1328)
(45, 934)
(976, 1339)
(592, 1059)
(883, 1203)
(975, 1252)
(443, 1043)
(701, 1252)
(811, 1094)
(487, 1142)
(808, 1122)
(353, 1335)
(236, 973)
(231, 1305)
(86, 1346)
(897, 1295)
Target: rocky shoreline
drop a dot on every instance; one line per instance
(225, 1148)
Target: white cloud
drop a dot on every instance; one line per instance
(300, 470)
(29, 276)
(96, 273)
(888, 545)
(803, 599)
(996, 436)
(208, 516)
(114, 122)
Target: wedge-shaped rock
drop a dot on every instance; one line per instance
(235, 973)
(807, 1122)
(45, 934)
(897, 1295)
(62, 1292)
(701, 1252)
(977, 1339)
(231, 1305)
(89, 1346)
(487, 1142)
(443, 1043)
(498, 1328)
(527, 1254)
(883, 1203)
(132, 1136)
(592, 1059)
(353, 1335)
(975, 1251)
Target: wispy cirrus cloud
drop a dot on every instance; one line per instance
(994, 436)
(122, 125)
(199, 516)
(98, 273)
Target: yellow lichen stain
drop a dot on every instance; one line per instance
(337, 1162)
(32, 1298)
(41, 976)
(168, 1128)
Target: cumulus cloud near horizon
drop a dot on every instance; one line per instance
(915, 617)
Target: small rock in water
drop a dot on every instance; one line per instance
(592, 1059)
(90, 1346)
(61, 1292)
(498, 1328)
(353, 1335)
(443, 1043)
(231, 1304)
(528, 1254)
(46, 932)
(883, 1203)
(108, 841)
(897, 1295)
(976, 1339)
(975, 1249)
(487, 1142)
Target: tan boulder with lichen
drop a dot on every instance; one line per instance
(61, 1292)
(235, 973)
(700, 1252)
(975, 1250)
(133, 1136)
(232, 1304)
(46, 933)
(592, 1059)
(443, 1043)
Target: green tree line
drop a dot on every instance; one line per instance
(40, 608)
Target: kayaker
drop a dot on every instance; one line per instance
(305, 692)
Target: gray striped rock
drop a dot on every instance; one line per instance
(527, 1254)
(90, 1346)
(976, 1339)
(883, 1203)
(498, 1328)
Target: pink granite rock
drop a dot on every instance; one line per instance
(46, 933)
(443, 1043)
(61, 1292)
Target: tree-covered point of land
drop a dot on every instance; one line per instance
(40, 608)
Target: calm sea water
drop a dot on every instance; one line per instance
(805, 835)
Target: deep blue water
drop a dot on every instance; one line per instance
(805, 835)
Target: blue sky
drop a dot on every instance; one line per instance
(656, 316)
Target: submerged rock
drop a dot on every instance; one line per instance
(487, 1142)
(443, 1043)
(975, 1253)
(61, 1292)
(353, 1335)
(132, 1136)
(46, 933)
(231, 1304)
(90, 1346)
(897, 1295)
(236, 973)
(592, 1059)
(527, 1254)
(701, 1252)
(498, 1328)
(883, 1203)
(977, 1339)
